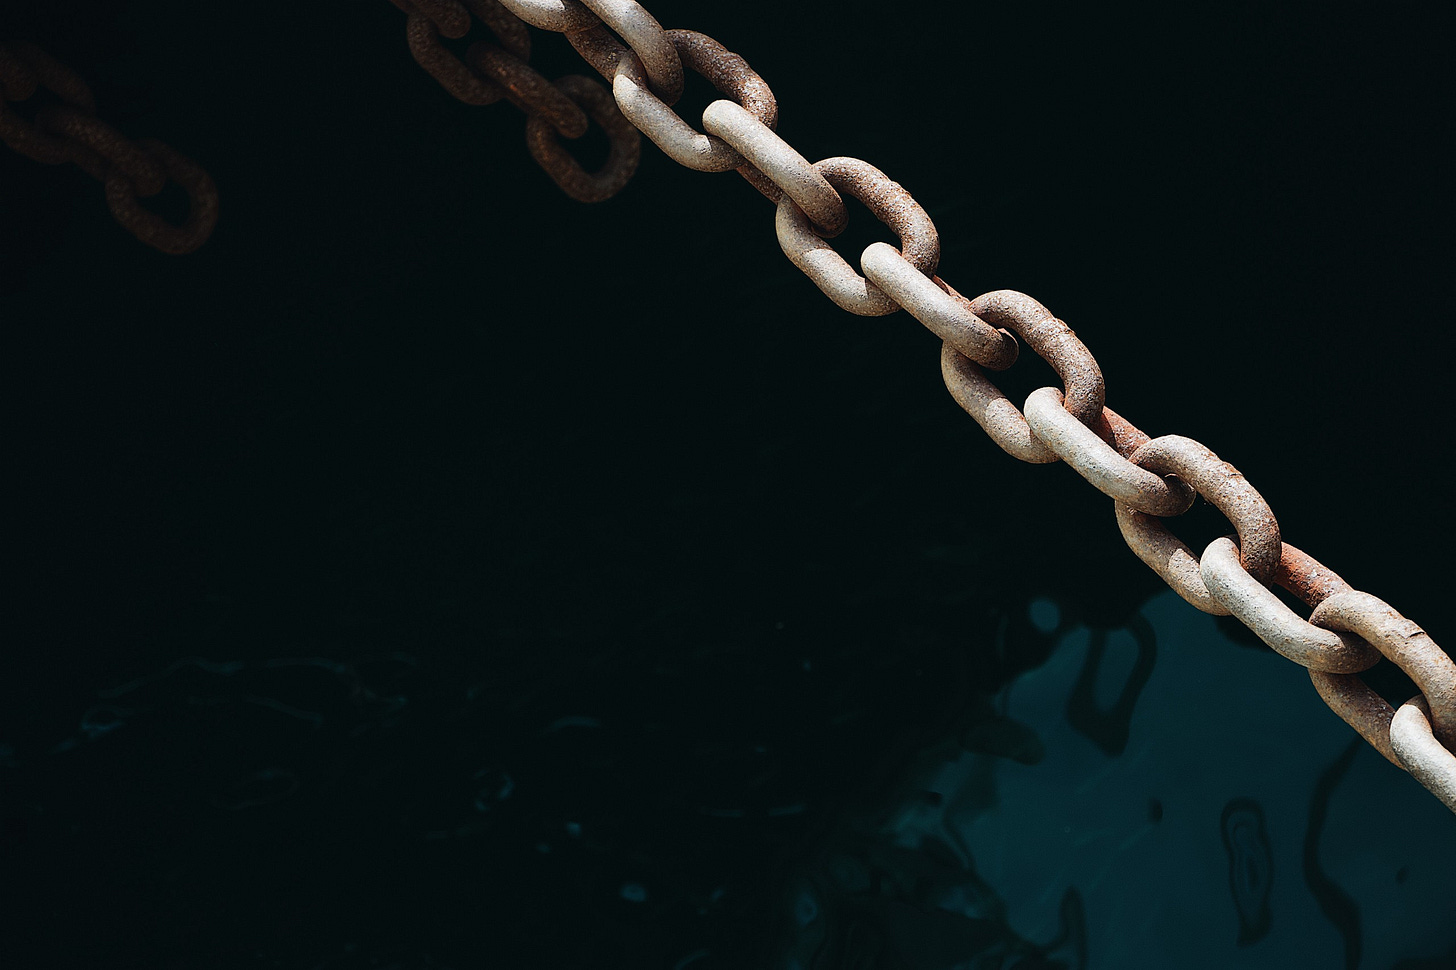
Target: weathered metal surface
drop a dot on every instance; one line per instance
(152, 229)
(990, 408)
(449, 17)
(1168, 556)
(888, 201)
(1223, 486)
(1360, 707)
(725, 70)
(937, 305)
(566, 171)
(1054, 342)
(648, 41)
(27, 69)
(553, 15)
(1096, 461)
(1405, 644)
(463, 84)
(1259, 609)
(527, 89)
(1420, 753)
(71, 132)
(786, 168)
(509, 30)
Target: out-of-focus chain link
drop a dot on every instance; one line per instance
(1148, 478)
(67, 130)
(491, 72)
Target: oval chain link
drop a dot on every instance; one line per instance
(887, 201)
(129, 170)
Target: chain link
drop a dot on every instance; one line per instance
(562, 108)
(69, 131)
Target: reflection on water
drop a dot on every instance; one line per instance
(1061, 796)
(1150, 796)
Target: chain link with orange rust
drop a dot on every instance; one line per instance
(67, 130)
(1148, 478)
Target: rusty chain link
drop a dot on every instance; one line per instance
(562, 108)
(67, 130)
(1148, 478)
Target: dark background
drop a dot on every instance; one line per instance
(437, 457)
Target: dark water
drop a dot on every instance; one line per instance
(436, 572)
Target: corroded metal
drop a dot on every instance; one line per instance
(509, 30)
(1420, 753)
(1405, 644)
(1096, 461)
(631, 21)
(725, 70)
(786, 168)
(1054, 342)
(1229, 492)
(937, 305)
(28, 68)
(888, 201)
(105, 149)
(1256, 607)
(527, 89)
(71, 132)
(989, 407)
(553, 15)
(1360, 707)
(564, 170)
(152, 229)
(449, 17)
(463, 84)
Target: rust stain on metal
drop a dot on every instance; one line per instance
(1258, 608)
(725, 70)
(566, 171)
(151, 228)
(1054, 342)
(888, 201)
(1229, 492)
(463, 84)
(1405, 644)
(527, 89)
(447, 16)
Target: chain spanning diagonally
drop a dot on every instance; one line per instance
(67, 130)
(1148, 478)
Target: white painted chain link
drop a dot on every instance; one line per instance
(1347, 632)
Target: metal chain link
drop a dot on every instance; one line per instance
(560, 108)
(1147, 478)
(69, 131)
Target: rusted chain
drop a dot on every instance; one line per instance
(1259, 609)
(130, 170)
(527, 89)
(1148, 478)
(564, 170)
(937, 305)
(491, 72)
(887, 201)
(780, 164)
(725, 70)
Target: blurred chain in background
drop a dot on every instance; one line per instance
(65, 128)
(1148, 478)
